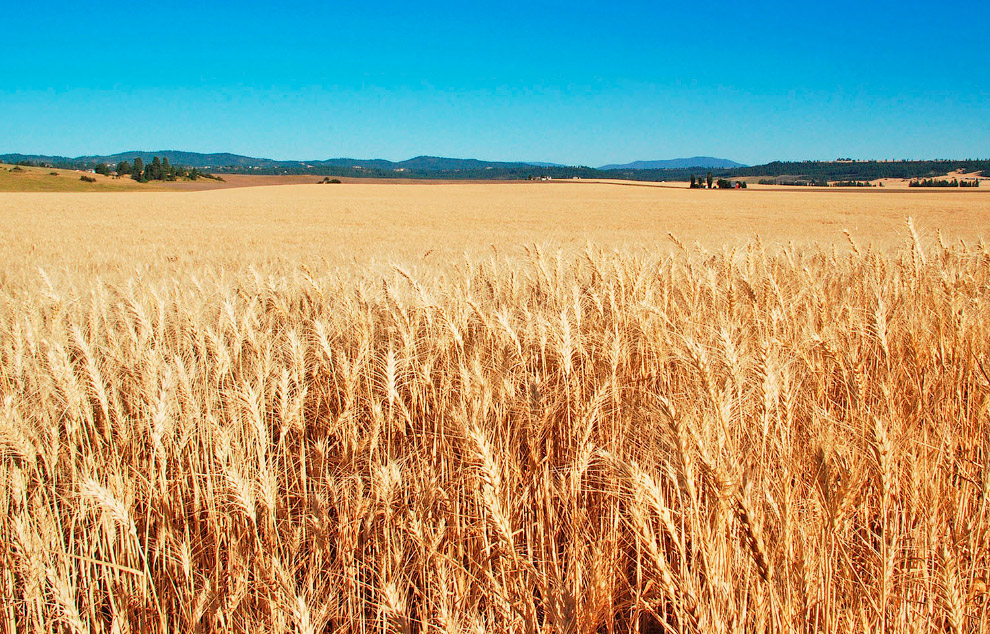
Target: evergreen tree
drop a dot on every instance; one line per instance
(693, 182)
(123, 168)
(708, 179)
(155, 170)
(137, 172)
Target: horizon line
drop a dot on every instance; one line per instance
(523, 162)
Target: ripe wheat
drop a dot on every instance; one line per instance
(748, 440)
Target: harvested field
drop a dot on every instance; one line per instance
(262, 180)
(494, 408)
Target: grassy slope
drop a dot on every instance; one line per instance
(40, 179)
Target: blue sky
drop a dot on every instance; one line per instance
(571, 82)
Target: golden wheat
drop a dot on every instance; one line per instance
(755, 439)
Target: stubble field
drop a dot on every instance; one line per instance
(494, 408)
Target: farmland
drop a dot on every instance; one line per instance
(539, 407)
(377, 224)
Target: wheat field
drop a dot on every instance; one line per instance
(226, 413)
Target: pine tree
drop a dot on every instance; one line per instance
(137, 172)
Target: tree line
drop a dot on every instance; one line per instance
(855, 184)
(777, 172)
(934, 182)
(787, 173)
(862, 170)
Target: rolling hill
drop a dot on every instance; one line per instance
(435, 167)
(237, 161)
(678, 163)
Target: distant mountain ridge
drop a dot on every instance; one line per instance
(227, 160)
(416, 164)
(440, 168)
(679, 163)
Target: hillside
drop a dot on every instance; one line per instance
(43, 179)
(229, 162)
(434, 167)
(678, 163)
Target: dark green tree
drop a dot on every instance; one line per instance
(137, 172)
(154, 171)
(123, 168)
(708, 179)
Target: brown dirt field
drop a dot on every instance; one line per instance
(365, 223)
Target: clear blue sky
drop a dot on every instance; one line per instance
(571, 82)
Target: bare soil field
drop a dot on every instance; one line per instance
(524, 408)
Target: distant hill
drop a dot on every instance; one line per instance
(543, 164)
(187, 159)
(438, 164)
(435, 167)
(237, 161)
(678, 163)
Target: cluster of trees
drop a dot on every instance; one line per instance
(727, 184)
(157, 170)
(795, 181)
(709, 182)
(697, 183)
(934, 182)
